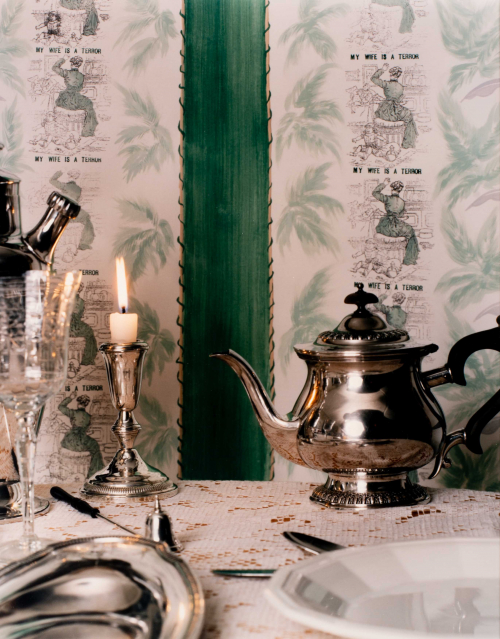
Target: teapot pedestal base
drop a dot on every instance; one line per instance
(359, 491)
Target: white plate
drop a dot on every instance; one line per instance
(410, 590)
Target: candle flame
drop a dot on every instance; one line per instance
(122, 285)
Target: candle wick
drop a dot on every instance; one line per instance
(124, 309)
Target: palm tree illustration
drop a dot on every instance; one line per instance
(472, 151)
(158, 28)
(157, 441)
(472, 472)
(161, 341)
(302, 212)
(470, 32)
(479, 261)
(308, 31)
(151, 153)
(147, 243)
(11, 20)
(11, 157)
(308, 119)
(307, 319)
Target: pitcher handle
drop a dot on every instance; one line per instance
(454, 372)
(459, 354)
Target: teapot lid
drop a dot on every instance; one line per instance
(362, 328)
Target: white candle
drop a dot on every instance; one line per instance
(123, 325)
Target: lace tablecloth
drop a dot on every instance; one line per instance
(239, 524)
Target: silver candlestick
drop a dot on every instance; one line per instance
(127, 476)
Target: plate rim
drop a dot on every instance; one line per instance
(192, 583)
(282, 602)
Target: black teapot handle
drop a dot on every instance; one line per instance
(454, 372)
(459, 354)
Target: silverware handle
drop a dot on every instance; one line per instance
(76, 503)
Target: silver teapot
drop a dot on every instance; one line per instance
(366, 415)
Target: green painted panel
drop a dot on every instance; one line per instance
(226, 236)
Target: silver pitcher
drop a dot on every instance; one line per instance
(366, 415)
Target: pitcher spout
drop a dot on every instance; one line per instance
(280, 432)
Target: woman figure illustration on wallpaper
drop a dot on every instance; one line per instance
(391, 225)
(71, 98)
(77, 438)
(73, 190)
(408, 17)
(78, 328)
(92, 19)
(395, 315)
(391, 109)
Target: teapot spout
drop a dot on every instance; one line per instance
(281, 433)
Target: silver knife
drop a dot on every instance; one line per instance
(263, 573)
(314, 545)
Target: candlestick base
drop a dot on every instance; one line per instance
(127, 477)
(112, 484)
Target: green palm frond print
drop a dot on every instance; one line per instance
(146, 144)
(145, 244)
(161, 341)
(482, 373)
(471, 33)
(302, 213)
(157, 26)
(479, 261)
(308, 31)
(11, 158)
(10, 46)
(157, 441)
(308, 120)
(473, 472)
(306, 316)
(472, 151)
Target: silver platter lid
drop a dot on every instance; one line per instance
(105, 587)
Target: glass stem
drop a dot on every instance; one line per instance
(25, 450)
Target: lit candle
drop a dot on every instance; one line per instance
(123, 325)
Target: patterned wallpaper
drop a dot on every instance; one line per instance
(90, 104)
(343, 150)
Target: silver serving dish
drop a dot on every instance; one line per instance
(105, 587)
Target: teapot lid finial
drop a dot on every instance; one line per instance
(361, 298)
(362, 327)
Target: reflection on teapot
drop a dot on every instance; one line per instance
(366, 414)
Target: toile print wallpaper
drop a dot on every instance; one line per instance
(83, 112)
(250, 178)
(386, 171)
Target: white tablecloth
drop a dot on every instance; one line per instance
(239, 524)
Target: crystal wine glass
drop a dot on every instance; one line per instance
(35, 316)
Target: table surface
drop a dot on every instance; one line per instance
(239, 524)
